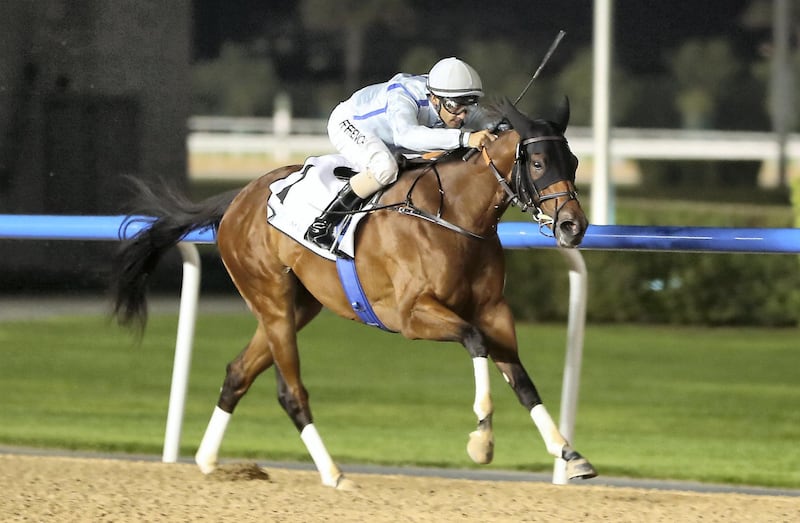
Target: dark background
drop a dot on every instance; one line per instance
(642, 29)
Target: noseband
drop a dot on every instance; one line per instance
(527, 192)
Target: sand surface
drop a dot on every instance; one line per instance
(49, 488)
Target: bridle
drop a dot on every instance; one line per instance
(527, 191)
(528, 194)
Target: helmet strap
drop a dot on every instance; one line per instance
(437, 104)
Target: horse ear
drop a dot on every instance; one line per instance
(562, 115)
(517, 120)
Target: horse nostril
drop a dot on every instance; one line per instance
(571, 232)
(569, 227)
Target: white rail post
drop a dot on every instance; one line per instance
(602, 185)
(190, 291)
(576, 323)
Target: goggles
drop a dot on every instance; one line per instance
(460, 104)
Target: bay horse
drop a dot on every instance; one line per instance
(424, 280)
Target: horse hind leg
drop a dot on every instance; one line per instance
(240, 375)
(269, 299)
(330, 474)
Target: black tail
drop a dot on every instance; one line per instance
(137, 258)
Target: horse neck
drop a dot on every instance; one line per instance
(481, 200)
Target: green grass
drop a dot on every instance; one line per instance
(715, 405)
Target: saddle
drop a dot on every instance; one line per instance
(297, 199)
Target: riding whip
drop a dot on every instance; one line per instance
(552, 48)
(561, 34)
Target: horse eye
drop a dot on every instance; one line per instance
(537, 165)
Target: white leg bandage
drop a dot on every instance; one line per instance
(553, 439)
(328, 470)
(483, 399)
(206, 456)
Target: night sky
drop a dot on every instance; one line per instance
(643, 30)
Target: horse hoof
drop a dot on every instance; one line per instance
(481, 446)
(346, 484)
(580, 468)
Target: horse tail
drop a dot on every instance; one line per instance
(175, 216)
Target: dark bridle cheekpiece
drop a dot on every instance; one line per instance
(527, 191)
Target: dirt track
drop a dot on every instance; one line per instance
(45, 488)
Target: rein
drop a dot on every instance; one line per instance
(408, 208)
(527, 195)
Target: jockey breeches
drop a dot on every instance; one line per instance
(376, 163)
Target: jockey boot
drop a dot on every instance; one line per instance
(321, 231)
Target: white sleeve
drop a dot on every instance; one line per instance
(401, 112)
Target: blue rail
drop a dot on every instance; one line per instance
(513, 235)
(517, 235)
(91, 228)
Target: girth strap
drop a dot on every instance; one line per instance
(346, 267)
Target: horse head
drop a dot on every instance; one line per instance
(543, 175)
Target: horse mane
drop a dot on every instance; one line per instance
(494, 111)
(497, 111)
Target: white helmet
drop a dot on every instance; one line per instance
(452, 78)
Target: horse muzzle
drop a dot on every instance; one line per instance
(570, 226)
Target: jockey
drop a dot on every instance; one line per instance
(407, 114)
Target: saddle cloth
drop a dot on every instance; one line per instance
(299, 198)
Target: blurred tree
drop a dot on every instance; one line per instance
(241, 82)
(352, 19)
(703, 70)
(575, 81)
(504, 69)
(419, 59)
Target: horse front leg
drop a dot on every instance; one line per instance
(556, 444)
(499, 329)
(480, 447)
(431, 320)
